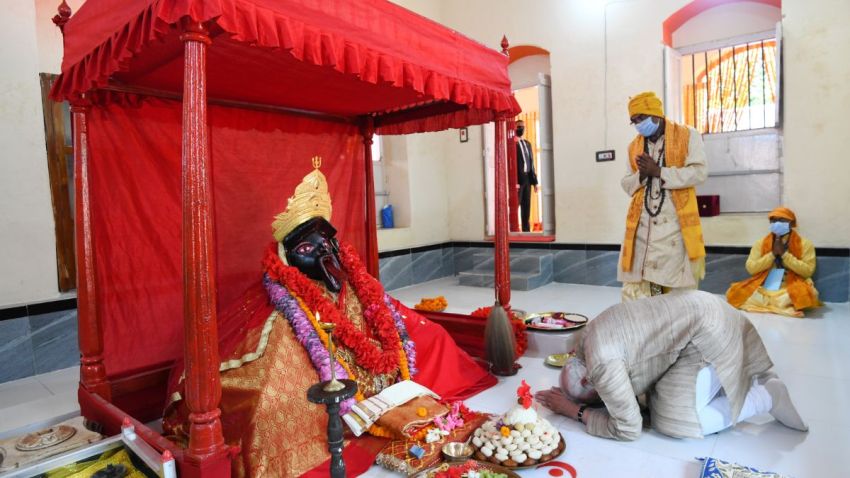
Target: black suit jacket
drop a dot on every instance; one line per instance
(521, 176)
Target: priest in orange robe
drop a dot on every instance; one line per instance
(273, 348)
(663, 248)
(781, 265)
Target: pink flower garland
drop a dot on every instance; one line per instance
(307, 336)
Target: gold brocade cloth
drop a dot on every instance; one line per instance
(264, 406)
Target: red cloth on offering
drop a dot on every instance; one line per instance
(359, 456)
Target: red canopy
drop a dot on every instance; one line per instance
(340, 57)
(351, 65)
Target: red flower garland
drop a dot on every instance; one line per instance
(371, 295)
(517, 324)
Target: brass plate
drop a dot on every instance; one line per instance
(45, 438)
(557, 360)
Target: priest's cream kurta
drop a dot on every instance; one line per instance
(658, 346)
(659, 251)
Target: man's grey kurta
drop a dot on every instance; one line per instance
(657, 346)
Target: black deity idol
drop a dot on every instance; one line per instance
(313, 249)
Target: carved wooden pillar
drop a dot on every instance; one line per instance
(513, 187)
(92, 371)
(203, 385)
(502, 260)
(368, 131)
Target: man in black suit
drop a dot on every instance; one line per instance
(526, 178)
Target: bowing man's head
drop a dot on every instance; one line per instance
(574, 382)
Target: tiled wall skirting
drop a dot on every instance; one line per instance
(597, 265)
(38, 344)
(32, 342)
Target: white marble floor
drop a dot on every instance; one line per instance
(37, 399)
(812, 356)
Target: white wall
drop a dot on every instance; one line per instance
(427, 212)
(590, 97)
(525, 71)
(49, 36)
(27, 237)
(817, 99)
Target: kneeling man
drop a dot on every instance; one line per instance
(701, 362)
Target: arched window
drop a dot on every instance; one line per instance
(732, 88)
(722, 77)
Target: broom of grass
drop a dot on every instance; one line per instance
(499, 342)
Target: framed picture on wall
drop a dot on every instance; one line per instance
(464, 135)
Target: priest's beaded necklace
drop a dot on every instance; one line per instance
(662, 160)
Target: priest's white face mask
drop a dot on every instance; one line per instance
(574, 382)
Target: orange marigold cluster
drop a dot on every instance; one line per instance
(432, 304)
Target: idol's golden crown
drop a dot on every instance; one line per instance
(311, 199)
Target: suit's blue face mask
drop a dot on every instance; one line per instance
(647, 127)
(780, 228)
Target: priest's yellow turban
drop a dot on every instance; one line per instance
(645, 103)
(783, 213)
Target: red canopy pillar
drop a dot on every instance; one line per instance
(203, 385)
(513, 184)
(92, 371)
(502, 260)
(367, 129)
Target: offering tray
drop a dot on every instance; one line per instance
(555, 321)
(432, 472)
(562, 445)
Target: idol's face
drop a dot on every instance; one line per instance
(312, 249)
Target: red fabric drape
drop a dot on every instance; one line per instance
(258, 158)
(347, 58)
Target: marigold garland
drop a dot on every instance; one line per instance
(385, 359)
(516, 322)
(406, 343)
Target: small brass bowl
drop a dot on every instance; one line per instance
(457, 451)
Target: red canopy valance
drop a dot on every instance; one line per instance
(339, 57)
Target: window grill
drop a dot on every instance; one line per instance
(731, 88)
